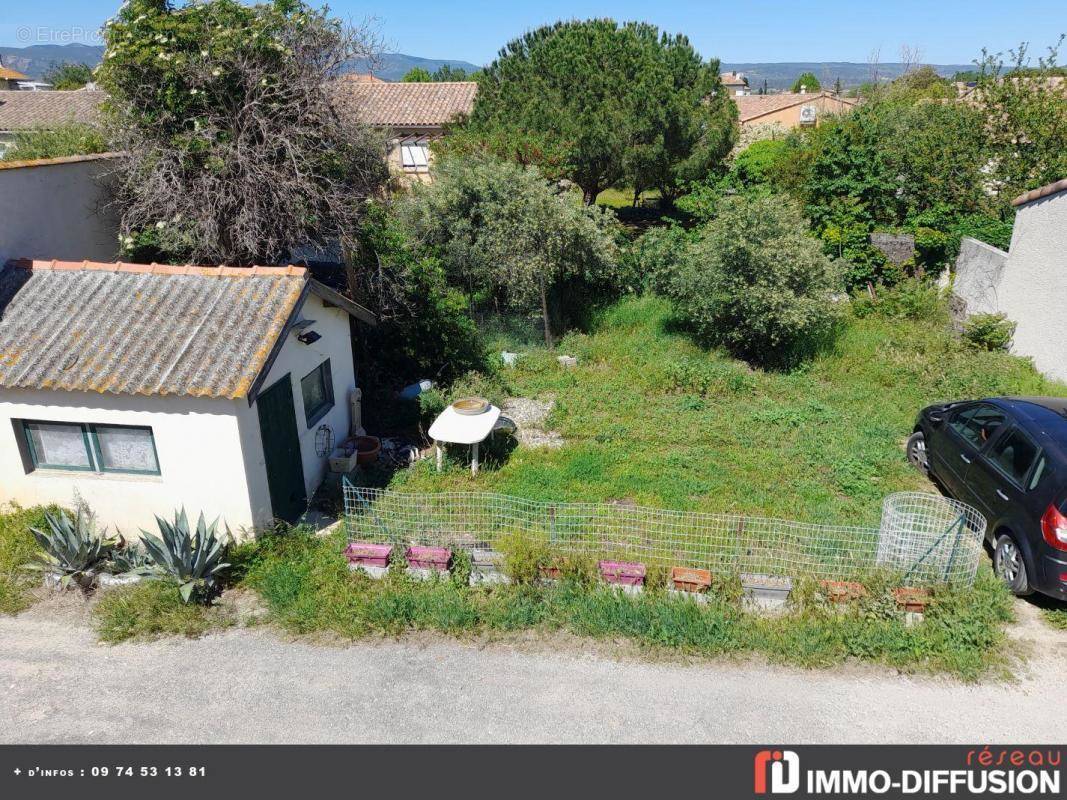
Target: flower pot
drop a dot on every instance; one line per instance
(429, 558)
(843, 592)
(622, 573)
(912, 599)
(105, 580)
(367, 449)
(767, 591)
(550, 573)
(368, 555)
(687, 579)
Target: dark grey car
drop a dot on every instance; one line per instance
(1007, 457)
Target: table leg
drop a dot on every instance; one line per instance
(474, 459)
(440, 456)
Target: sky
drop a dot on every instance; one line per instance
(943, 31)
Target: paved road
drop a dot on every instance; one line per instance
(252, 686)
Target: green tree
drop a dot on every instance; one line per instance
(235, 151)
(447, 73)
(496, 225)
(417, 75)
(808, 81)
(756, 283)
(1025, 109)
(597, 102)
(73, 139)
(68, 75)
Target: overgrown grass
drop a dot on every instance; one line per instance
(154, 608)
(308, 588)
(1057, 617)
(651, 417)
(17, 548)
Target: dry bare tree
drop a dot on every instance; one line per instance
(236, 152)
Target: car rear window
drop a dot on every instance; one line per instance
(978, 425)
(1014, 454)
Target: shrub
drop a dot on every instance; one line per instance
(194, 559)
(989, 331)
(654, 258)
(913, 299)
(523, 557)
(73, 139)
(71, 549)
(756, 283)
(17, 547)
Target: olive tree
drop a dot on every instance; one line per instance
(498, 225)
(756, 283)
(236, 152)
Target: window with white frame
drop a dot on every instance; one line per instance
(415, 155)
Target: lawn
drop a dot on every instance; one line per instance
(650, 417)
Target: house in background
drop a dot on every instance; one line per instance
(24, 111)
(789, 110)
(735, 83)
(10, 78)
(140, 389)
(411, 115)
(1028, 284)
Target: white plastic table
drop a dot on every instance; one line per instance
(456, 428)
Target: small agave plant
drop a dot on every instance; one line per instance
(71, 550)
(192, 558)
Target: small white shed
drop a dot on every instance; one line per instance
(143, 388)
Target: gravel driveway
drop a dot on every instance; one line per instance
(254, 686)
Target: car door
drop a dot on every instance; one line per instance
(968, 433)
(1002, 474)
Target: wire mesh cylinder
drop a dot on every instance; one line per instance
(929, 538)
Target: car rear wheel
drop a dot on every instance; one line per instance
(1010, 566)
(917, 454)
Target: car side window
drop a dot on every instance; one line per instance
(979, 424)
(1014, 454)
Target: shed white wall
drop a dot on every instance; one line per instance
(294, 361)
(1033, 292)
(55, 210)
(197, 442)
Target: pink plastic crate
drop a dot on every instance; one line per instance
(429, 557)
(369, 555)
(623, 573)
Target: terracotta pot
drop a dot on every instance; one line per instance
(550, 573)
(843, 591)
(912, 598)
(367, 449)
(686, 579)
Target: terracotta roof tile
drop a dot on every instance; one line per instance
(1043, 191)
(25, 110)
(752, 106)
(405, 105)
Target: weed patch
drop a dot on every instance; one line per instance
(154, 608)
(17, 548)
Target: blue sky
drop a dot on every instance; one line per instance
(944, 31)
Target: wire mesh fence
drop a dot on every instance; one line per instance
(924, 537)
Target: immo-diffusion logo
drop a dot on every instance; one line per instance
(784, 769)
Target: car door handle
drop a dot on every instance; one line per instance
(1002, 496)
(965, 459)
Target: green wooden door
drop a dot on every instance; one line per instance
(281, 449)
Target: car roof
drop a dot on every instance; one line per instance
(1043, 417)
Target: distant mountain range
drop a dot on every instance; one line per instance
(35, 60)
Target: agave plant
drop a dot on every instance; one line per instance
(125, 558)
(71, 550)
(192, 558)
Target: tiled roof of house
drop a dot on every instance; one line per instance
(733, 79)
(405, 105)
(752, 106)
(25, 110)
(7, 74)
(143, 329)
(1043, 191)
